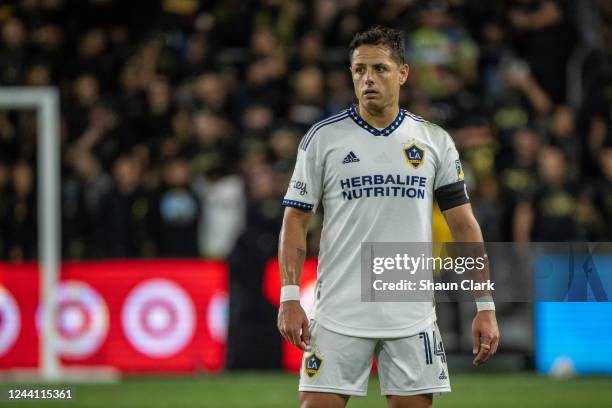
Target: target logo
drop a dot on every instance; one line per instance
(217, 316)
(158, 318)
(82, 320)
(10, 321)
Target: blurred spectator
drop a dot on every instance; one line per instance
(489, 211)
(519, 179)
(265, 82)
(263, 213)
(49, 41)
(562, 134)
(265, 43)
(283, 146)
(549, 215)
(478, 149)
(198, 57)
(233, 22)
(597, 118)
(309, 97)
(604, 9)
(282, 16)
(82, 195)
(21, 227)
(92, 57)
(105, 135)
(340, 91)
(544, 38)
(522, 102)
(257, 120)
(177, 211)
(399, 12)
(213, 140)
(9, 140)
(157, 122)
(38, 75)
(85, 94)
(5, 209)
(124, 225)
(494, 48)
(439, 47)
(211, 91)
(13, 55)
(249, 311)
(180, 138)
(517, 77)
(223, 213)
(602, 198)
(310, 51)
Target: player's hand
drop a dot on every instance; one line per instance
(484, 333)
(293, 324)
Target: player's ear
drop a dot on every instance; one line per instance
(404, 71)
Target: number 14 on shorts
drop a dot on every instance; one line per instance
(438, 348)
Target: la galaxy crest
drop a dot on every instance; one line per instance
(414, 155)
(312, 364)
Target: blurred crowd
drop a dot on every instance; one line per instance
(181, 119)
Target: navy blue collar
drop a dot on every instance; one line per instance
(384, 132)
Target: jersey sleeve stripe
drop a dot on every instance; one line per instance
(297, 204)
(310, 134)
(415, 117)
(324, 121)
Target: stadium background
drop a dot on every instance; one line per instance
(179, 127)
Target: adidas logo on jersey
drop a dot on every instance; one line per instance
(350, 158)
(443, 375)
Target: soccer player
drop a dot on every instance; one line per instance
(342, 162)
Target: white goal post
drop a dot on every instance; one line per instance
(45, 101)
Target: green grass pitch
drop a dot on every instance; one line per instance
(255, 390)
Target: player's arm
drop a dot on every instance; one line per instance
(303, 194)
(485, 332)
(292, 321)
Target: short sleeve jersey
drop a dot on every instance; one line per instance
(375, 185)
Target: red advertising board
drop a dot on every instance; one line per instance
(136, 316)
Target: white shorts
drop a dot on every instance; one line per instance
(341, 364)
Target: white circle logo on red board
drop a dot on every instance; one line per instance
(218, 316)
(158, 318)
(82, 319)
(10, 321)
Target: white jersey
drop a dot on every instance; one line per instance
(375, 186)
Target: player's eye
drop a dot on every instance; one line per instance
(360, 70)
(380, 69)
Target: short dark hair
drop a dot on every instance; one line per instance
(379, 35)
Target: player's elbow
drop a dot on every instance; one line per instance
(464, 227)
(467, 231)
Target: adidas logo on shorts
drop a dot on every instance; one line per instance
(443, 375)
(350, 158)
